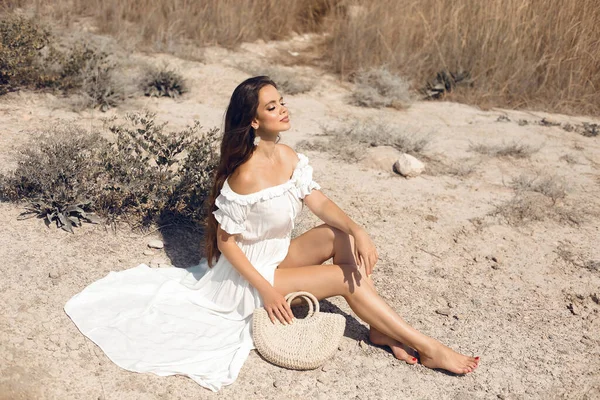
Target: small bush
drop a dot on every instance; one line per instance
(29, 58)
(379, 88)
(531, 206)
(513, 149)
(550, 186)
(159, 82)
(538, 198)
(59, 165)
(348, 141)
(144, 175)
(21, 53)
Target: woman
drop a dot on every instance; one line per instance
(196, 322)
(259, 183)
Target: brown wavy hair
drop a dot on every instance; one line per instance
(236, 148)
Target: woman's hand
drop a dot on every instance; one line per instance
(276, 306)
(364, 251)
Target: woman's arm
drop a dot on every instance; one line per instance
(364, 248)
(273, 301)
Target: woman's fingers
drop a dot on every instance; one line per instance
(270, 314)
(289, 312)
(279, 315)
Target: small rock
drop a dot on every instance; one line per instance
(574, 308)
(408, 166)
(362, 344)
(157, 262)
(495, 266)
(497, 258)
(276, 383)
(156, 244)
(595, 298)
(148, 253)
(54, 273)
(443, 311)
(431, 218)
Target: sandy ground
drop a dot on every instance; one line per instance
(524, 298)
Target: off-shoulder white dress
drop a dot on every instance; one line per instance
(195, 321)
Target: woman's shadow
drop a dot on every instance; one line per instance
(184, 247)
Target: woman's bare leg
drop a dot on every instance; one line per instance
(319, 245)
(346, 280)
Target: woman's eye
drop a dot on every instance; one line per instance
(270, 109)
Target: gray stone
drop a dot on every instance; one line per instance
(54, 274)
(156, 244)
(148, 253)
(408, 166)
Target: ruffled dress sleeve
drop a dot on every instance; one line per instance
(231, 215)
(302, 177)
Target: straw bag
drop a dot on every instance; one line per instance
(305, 343)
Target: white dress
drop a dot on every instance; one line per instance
(195, 321)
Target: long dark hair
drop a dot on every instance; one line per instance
(236, 148)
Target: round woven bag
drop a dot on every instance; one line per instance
(305, 343)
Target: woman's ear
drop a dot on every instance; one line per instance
(254, 124)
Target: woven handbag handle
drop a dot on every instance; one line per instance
(313, 303)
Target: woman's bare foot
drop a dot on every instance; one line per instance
(401, 352)
(439, 356)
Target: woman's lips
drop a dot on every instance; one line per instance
(286, 119)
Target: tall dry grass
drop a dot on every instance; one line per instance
(537, 54)
(162, 22)
(520, 53)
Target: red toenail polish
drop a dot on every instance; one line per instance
(414, 359)
(477, 358)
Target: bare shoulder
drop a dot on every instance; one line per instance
(243, 181)
(288, 154)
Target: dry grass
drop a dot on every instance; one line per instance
(287, 79)
(550, 186)
(379, 88)
(349, 141)
(540, 54)
(163, 23)
(533, 54)
(539, 198)
(512, 149)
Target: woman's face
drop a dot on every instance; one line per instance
(272, 116)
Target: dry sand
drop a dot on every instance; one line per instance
(506, 289)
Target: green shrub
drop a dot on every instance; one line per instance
(163, 82)
(144, 175)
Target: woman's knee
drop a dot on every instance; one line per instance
(352, 279)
